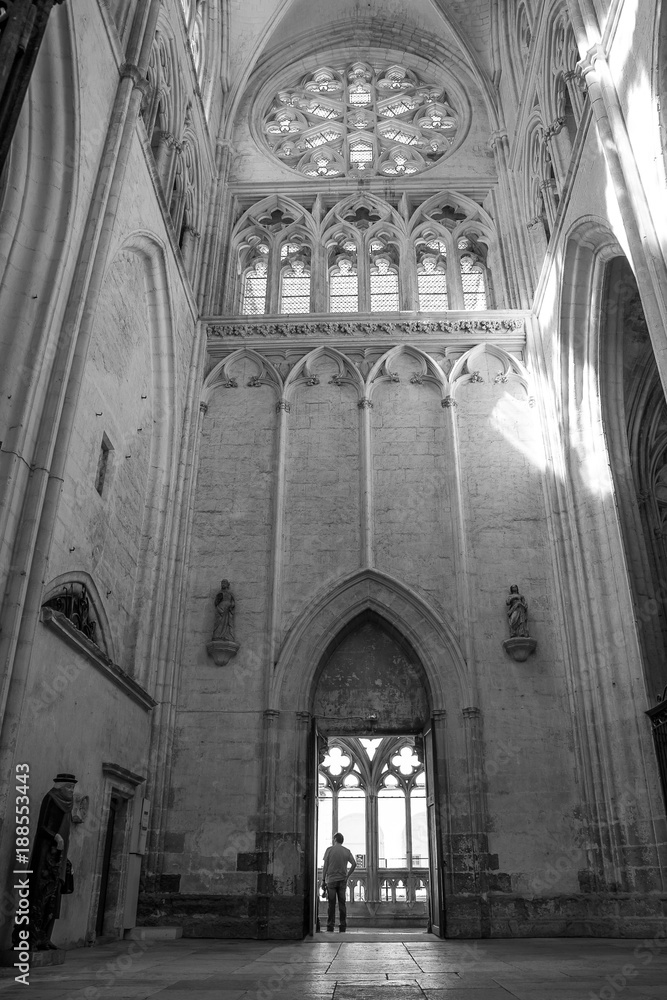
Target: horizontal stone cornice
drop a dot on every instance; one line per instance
(506, 327)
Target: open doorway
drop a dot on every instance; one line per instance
(373, 790)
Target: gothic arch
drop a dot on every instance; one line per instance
(42, 181)
(305, 369)
(430, 370)
(104, 627)
(221, 376)
(425, 630)
(153, 259)
(460, 57)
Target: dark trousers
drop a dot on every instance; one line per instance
(336, 890)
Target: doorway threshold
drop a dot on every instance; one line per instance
(372, 935)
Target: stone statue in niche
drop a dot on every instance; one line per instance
(519, 645)
(517, 612)
(51, 875)
(223, 646)
(224, 610)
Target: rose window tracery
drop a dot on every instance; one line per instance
(361, 121)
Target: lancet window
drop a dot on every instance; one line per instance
(343, 274)
(194, 12)
(255, 278)
(295, 276)
(361, 120)
(373, 791)
(362, 257)
(432, 273)
(383, 277)
(473, 274)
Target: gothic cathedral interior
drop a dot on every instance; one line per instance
(334, 460)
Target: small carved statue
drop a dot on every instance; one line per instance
(224, 609)
(517, 613)
(51, 871)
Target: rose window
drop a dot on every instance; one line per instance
(359, 121)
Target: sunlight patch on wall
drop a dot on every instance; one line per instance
(524, 435)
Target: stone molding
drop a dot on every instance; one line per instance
(111, 770)
(70, 634)
(222, 651)
(271, 328)
(520, 647)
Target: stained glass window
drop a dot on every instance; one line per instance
(382, 120)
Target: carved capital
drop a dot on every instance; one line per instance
(133, 73)
(448, 402)
(203, 408)
(554, 128)
(282, 404)
(365, 404)
(471, 712)
(586, 66)
(498, 137)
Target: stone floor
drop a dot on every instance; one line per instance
(360, 965)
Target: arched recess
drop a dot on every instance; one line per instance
(430, 652)
(37, 218)
(635, 420)
(148, 586)
(267, 59)
(104, 634)
(368, 591)
(612, 734)
(370, 677)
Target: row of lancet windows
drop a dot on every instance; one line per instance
(350, 275)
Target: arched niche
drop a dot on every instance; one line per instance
(635, 421)
(370, 679)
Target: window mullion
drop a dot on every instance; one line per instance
(372, 847)
(408, 831)
(364, 277)
(454, 283)
(407, 278)
(273, 284)
(319, 280)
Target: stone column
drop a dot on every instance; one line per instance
(366, 473)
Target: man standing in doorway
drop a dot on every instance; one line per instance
(334, 877)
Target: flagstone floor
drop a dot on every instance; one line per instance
(359, 965)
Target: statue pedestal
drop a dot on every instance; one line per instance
(520, 647)
(221, 651)
(37, 960)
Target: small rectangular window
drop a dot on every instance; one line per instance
(103, 464)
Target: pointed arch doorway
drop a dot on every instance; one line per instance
(373, 777)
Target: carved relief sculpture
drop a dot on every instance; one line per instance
(223, 645)
(519, 645)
